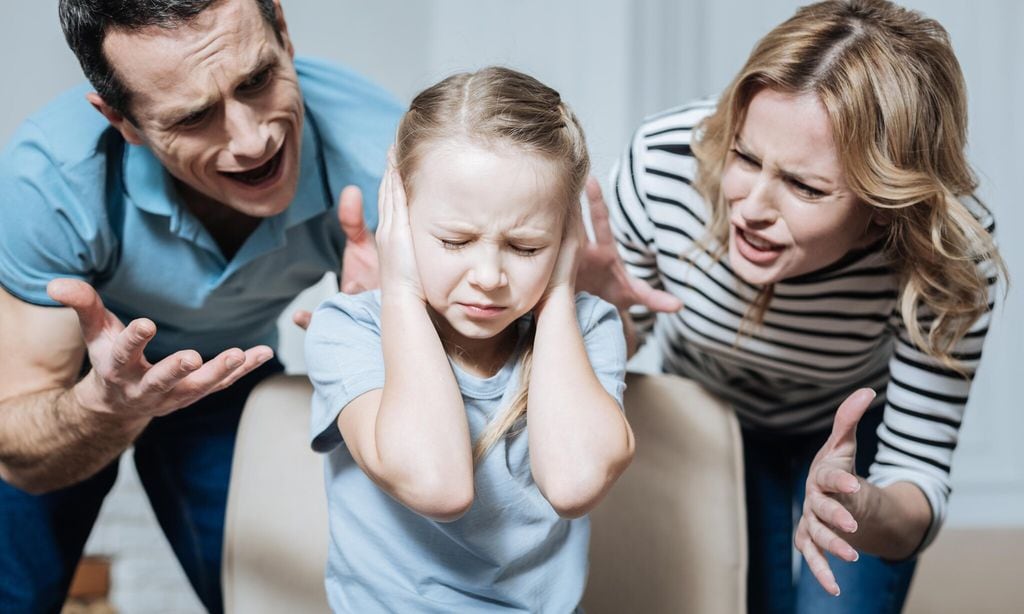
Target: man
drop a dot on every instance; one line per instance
(193, 207)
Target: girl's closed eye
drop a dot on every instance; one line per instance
(525, 250)
(453, 244)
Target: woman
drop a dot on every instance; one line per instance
(814, 233)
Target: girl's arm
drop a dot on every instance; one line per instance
(411, 437)
(579, 439)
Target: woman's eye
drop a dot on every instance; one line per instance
(807, 191)
(746, 159)
(453, 245)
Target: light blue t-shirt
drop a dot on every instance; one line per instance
(77, 201)
(510, 552)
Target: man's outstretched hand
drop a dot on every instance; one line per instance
(126, 385)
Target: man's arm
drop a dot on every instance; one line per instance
(56, 430)
(42, 427)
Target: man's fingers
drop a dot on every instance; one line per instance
(254, 357)
(169, 372)
(130, 343)
(81, 297)
(302, 317)
(844, 427)
(598, 213)
(350, 215)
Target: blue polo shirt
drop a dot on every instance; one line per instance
(77, 201)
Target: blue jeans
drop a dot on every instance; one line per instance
(184, 463)
(776, 471)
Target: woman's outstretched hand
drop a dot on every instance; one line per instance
(602, 273)
(834, 498)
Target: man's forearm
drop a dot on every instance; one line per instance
(48, 440)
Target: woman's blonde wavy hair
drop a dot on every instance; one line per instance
(896, 100)
(495, 107)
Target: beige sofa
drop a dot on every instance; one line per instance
(668, 538)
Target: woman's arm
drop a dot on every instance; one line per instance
(412, 437)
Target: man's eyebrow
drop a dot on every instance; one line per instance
(176, 116)
(265, 62)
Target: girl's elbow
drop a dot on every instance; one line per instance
(577, 495)
(442, 498)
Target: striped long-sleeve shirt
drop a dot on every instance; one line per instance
(824, 334)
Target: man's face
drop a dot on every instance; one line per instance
(217, 101)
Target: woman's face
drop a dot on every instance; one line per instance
(791, 211)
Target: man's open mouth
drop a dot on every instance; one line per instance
(262, 173)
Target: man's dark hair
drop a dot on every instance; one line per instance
(87, 22)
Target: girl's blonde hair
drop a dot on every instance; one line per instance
(492, 107)
(896, 102)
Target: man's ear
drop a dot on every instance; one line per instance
(282, 27)
(116, 119)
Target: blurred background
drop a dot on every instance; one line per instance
(614, 61)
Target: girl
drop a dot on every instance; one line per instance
(471, 407)
(819, 224)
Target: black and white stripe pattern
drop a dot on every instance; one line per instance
(824, 334)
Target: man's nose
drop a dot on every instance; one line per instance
(248, 136)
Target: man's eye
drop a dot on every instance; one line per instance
(256, 82)
(193, 119)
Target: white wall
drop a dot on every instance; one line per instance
(614, 61)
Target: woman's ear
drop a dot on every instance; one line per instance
(881, 217)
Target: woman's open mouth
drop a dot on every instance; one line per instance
(756, 249)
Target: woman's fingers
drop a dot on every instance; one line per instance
(598, 213)
(834, 480)
(832, 512)
(816, 560)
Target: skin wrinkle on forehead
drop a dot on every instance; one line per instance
(203, 42)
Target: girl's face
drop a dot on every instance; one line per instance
(486, 227)
(791, 211)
